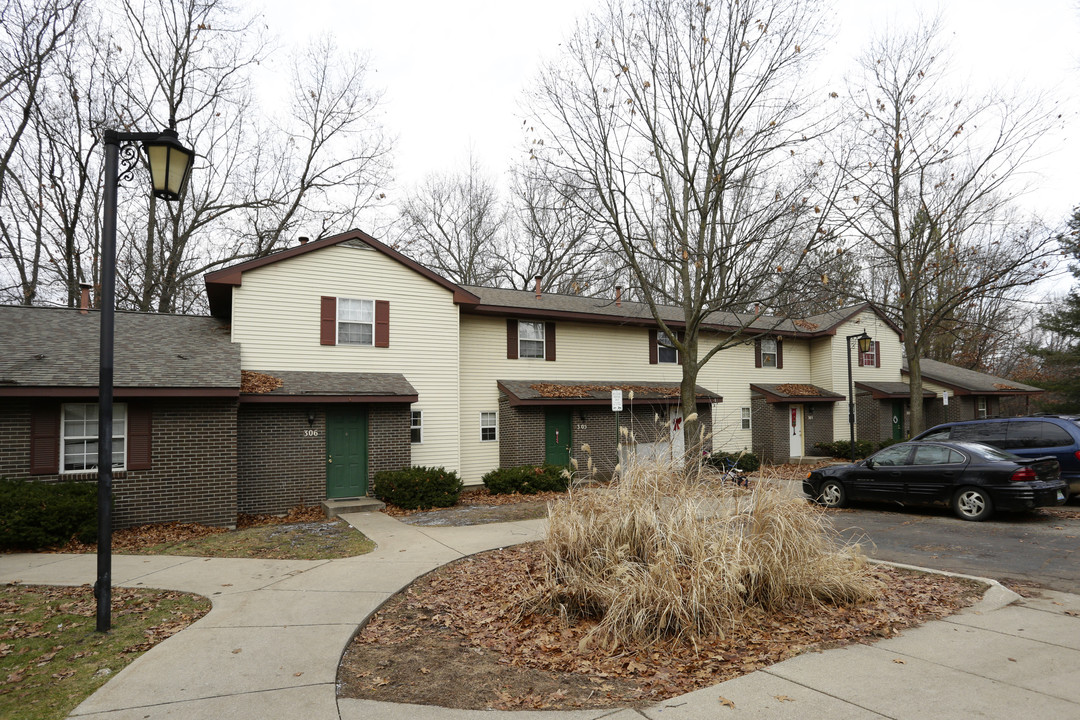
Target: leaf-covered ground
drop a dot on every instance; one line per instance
(52, 657)
(303, 533)
(457, 638)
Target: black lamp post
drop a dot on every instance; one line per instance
(864, 347)
(170, 164)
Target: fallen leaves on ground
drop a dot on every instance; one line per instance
(473, 497)
(474, 606)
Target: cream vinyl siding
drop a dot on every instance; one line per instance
(604, 353)
(891, 360)
(276, 321)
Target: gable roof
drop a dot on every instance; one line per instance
(219, 283)
(969, 382)
(57, 348)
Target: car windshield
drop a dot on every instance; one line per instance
(989, 452)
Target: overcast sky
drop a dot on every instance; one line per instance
(453, 73)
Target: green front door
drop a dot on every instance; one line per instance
(898, 420)
(346, 452)
(557, 436)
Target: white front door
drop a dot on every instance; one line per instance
(795, 426)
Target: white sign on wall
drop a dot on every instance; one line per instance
(616, 400)
(944, 397)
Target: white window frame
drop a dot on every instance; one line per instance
(745, 422)
(340, 321)
(493, 426)
(772, 354)
(981, 407)
(90, 434)
(522, 339)
(663, 341)
(416, 422)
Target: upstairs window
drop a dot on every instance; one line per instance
(356, 322)
(872, 358)
(665, 350)
(530, 339)
(768, 352)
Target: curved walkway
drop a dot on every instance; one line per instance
(270, 646)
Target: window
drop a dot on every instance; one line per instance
(530, 339)
(870, 359)
(488, 424)
(665, 351)
(768, 352)
(936, 455)
(416, 428)
(988, 432)
(895, 455)
(980, 407)
(746, 418)
(79, 436)
(356, 322)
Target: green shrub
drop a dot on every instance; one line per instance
(842, 448)
(526, 479)
(721, 460)
(417, 488)
(40, 515)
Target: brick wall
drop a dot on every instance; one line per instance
(389, 447)
(281, 458)
(193, 466)
(771, 428)
(522, 429)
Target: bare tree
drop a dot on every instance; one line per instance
(555, 240)
(457, 225)
(688, 142)
(32, 34)
(928, 192)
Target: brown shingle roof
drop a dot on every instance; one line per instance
(374, 387)
(595, 392)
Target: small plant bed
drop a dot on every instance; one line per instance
(52, 658)
(302, 534)
(478, 506)
(458, 638)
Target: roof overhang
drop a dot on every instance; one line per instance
(881, 393)
(597, 393)
(324, 399)
(960, 390)
(776, 394)
(121, 392)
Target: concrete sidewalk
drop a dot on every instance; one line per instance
(270, 646)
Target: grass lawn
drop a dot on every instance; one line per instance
(52, 658)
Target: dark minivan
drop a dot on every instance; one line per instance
(1033, 436)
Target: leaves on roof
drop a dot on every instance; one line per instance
(805, 324)
(1004, 386)
(796, 389)
(556, 390)
(257, 382)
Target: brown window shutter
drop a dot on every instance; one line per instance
(653, 354)
(382, 323)
(511, 339)
(877, 354)
(779, 353)
(757, 353)
(328, 321)
(140, 432)
(549, 341)
(45, 439)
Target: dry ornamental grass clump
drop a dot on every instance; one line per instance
(658, 556)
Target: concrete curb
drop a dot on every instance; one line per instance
(996, 596)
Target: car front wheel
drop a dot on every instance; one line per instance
(832, 494)
(971, 503)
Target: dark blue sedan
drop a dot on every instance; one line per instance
(974, 479)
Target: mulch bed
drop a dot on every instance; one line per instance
(466, 618)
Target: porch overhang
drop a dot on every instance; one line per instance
(596, 392)
(291, 386)
(795, 393)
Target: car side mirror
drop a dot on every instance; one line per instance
(869, 464)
